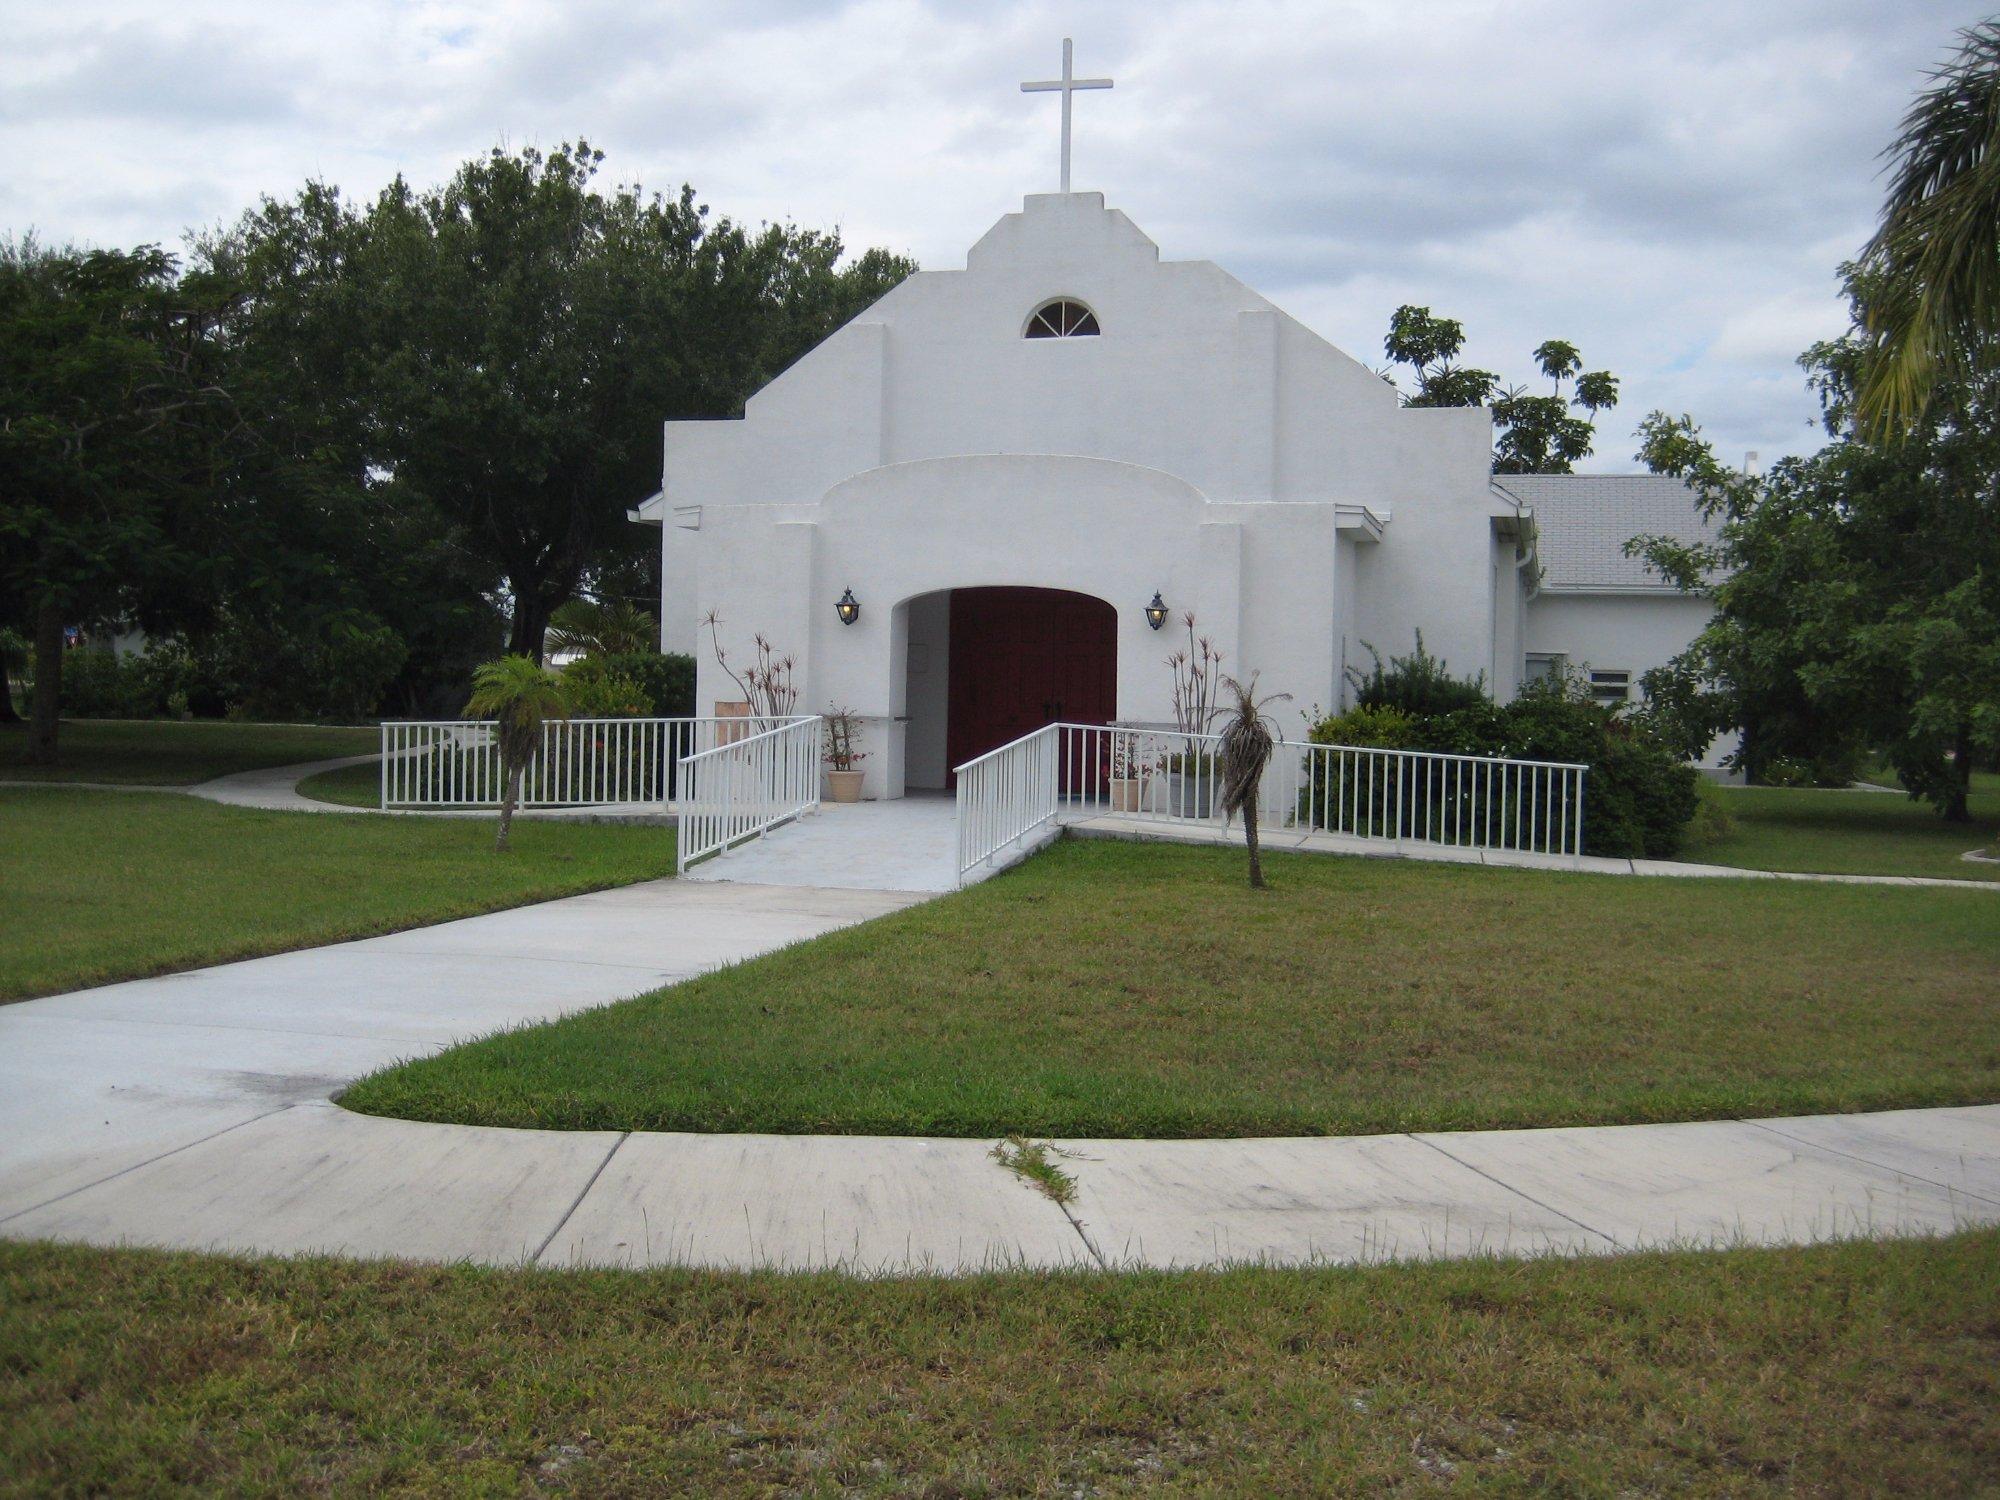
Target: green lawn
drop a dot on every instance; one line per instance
(114, 885)
(154, 752)
(1852, 832)
(1140, 990)
(1848, 1369)
(350, 786)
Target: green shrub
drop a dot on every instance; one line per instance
(1834, 768)
(1383, 728)
(1419, 684)
(93, 684)
(594, 689)
(666, 678)
(631, 684)
(1787, 770)
(1638, 796)
(1638, 800)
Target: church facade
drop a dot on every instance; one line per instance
(1001, 468)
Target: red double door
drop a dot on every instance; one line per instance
(1022, 658)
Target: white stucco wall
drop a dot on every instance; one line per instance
(1624, 632)
(1204, 445)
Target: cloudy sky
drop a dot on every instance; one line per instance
(1668, 186)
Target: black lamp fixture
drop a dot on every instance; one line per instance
(1156, 612)
(847, 607)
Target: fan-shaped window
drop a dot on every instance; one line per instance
(1062, 319)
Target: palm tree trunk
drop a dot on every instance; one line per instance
(1250, 841)
(510, 792)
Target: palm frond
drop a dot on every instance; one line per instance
(1933, 268)
(1248, 736)
(518, 694)
(591, 627)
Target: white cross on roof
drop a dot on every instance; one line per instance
(1067, 86)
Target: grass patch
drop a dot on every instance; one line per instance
(1139, 990)
(350, 786)
(116, 885)
(159, 752)
(1851, 832)
(1835, 1369)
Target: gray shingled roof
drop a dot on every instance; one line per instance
(1584, 521)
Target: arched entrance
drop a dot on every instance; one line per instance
(1024, 657)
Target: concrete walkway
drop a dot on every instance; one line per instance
(194, 1111)
(276, 789)
(909, 844)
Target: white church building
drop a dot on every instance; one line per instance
(1001, 468)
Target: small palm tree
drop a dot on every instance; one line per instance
(518, 695)
(1931, 276)
(593, 627)
(1247, 738)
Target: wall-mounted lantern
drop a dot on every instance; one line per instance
(847, 607)
(1156, 612)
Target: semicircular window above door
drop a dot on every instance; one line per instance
(1064, 318)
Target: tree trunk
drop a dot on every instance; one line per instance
(7, 712)
(530, 626)
(1955, 809)
(1250, 840)
(510, 792)
(48, 683)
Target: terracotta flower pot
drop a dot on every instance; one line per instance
(1126, 793)
(844, 786)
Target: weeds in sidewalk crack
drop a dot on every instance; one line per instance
(1035, 1161)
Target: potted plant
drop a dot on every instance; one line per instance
(843, 781)
(1192, 775)
(1129, 772)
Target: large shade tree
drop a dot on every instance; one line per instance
(1857, 591)
(532, 332)
(344, 588)
(115, 431)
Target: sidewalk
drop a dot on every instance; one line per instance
(194, 1111)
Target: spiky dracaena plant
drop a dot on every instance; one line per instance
(1247, 737)
(518, 694)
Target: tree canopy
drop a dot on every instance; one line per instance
(115, 427)
(350, 448)
(1858, 601)
(516, 337)
(1533, 433)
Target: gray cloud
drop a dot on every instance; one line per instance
(1669, 187)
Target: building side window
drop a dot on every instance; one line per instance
(1062, 319)
(1542, 666)
(1612, 689)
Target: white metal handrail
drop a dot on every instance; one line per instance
(579, 763)
(1006, 795)
(1402, 797)
(745, 787)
